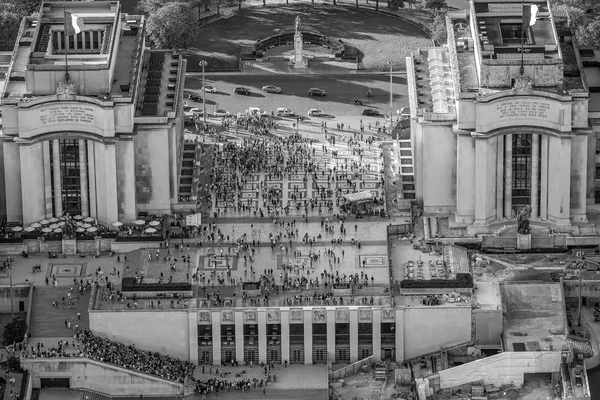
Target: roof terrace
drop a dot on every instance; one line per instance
(434, 81)
(159, 84)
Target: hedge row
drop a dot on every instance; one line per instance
(461, 281)
(129, 285)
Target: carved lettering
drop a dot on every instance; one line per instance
(523, 108)
(67, 114)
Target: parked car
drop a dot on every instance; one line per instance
(313, 112)
(210, 89)
(221, 113)
(271, 89)
(369, 112)
(316, 92)
(241, 90)
(195, 97)
(285, 112)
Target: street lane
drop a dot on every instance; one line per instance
(341, 90)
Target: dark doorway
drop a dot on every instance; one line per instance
(55, 383)
(21, 306)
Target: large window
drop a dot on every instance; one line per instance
(69, 173)
(521, 168)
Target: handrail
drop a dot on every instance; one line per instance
(342, 372)
(102, 363)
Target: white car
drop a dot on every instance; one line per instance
(271, 89)
(221, 113)
(196, 111)
(209, 89)
(313, 112)
(285, 112)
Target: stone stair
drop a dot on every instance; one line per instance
(88, 395)
(49, 322)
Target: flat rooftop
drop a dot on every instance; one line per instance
(487, 295)
(159, 82)
(534, 316)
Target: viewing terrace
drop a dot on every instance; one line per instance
(159, 82)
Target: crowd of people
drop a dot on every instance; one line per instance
(273, 159)
(86, 344)
(129, 357)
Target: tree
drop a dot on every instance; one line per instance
(436, 4)
(583, 17)
(15, 330)
(394, 5)
(439, 34)
(172, 26)
(9, 21)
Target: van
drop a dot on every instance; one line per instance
(255, 110)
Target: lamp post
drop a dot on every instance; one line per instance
(391, 95)
(203, 63)
(10, 262)
(580, 264)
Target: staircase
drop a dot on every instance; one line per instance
(49, 322)
(87, 395)
(45, 39)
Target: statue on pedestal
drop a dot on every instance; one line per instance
(523, 220)
(298, 60)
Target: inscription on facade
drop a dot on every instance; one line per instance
(67, 114)
(523, 108)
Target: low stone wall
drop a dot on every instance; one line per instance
(86, 374)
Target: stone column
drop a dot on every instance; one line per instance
(500, 178)
(106, 182)
(193, 333)
(83, 39)
(330, 315)
(126, 180)
(57, 180)
(262, 336)
(308, 346)
(12, 181)
(400, 335)
(285, 336)
(353, 336)
(535, 169)
(91, 164)
(32, 187)
(544, 179)
(579, 155)
(239, 337)
(465, 179)
(559, 180)
(47, 178)
(377, 334)
(508, 176)
(216, 337)
(59, 40)
(83, 177)
(485, 174)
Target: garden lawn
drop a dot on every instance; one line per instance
(378, 36)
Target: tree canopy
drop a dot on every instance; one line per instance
(15, 330)
(584, 17)
(172, 26)
(11, 12)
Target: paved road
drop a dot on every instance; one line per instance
(341, 90)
